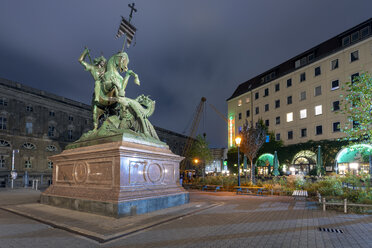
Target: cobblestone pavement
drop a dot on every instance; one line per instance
(240, 221)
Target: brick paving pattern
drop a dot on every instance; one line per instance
(238, 221)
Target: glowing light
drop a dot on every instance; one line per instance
(238, 140)
(292, 169)
(354, 166)
(342, 167)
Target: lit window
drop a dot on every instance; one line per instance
(318, 110)
(239, 103)
(318, 91)
(2, 123)
(354, 56)
(334, 64)
(28, 127)
(289, 117)
(303, 113)
(335, 84)
(247, 100)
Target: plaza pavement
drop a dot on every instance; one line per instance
(220, 219)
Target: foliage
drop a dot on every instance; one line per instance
(232, 159)
(252, 140)
(200, 150)
(357, 105)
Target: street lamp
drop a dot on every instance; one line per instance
(238, 140)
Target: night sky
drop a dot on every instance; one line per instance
(184, 49)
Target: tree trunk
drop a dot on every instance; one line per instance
(252, 172)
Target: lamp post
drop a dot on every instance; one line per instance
(237, 141)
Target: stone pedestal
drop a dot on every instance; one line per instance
(116, 179)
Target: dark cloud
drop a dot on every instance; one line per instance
(185, 49)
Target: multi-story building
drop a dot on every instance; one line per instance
(40, 124)
(299, 100)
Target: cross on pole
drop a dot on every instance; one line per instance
(131, 6)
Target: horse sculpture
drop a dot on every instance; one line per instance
(109, 97)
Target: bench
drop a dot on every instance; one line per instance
(302, 194)
(212, 187)
(249, 190)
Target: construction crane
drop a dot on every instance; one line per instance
(194, 128)
(219, 113)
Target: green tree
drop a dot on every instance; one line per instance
(200, 150)
(357, 105)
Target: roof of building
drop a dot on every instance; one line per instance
(50, 96)
(310, 56)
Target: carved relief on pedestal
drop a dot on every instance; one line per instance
(137, 172)
(80, 172)
(64, 173)
(169, 173)
(154, 173)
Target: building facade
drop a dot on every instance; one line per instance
(299, 100)
(40, 124)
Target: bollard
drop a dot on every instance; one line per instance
(345, 206)
(324, 204)
(33, 183)
(37, 182)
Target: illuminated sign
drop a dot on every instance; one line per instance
(231, 131)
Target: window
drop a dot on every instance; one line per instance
(355, 36)
(266, 92)
(51, 113)
(335, 85)
(303, 132)
(239, 104)
(354, 77)
(71, 118)
(334, 64)
(256, 96)
(289, 117)
(28, 163)
(70, 137)
(28, 127)
(318, 91)
(319, 130)
(317, 71)
(240, 117)
(277, 120)
(364, 32)
(266, 107)
(247, 100)
(290, 135)
(51, 148)
(3, 102)
(277, 137)
(277, 87)
(318, 110)
(51, 130)
(257, 110)
(277, 103)
(267, 123)
(302, 77)
(346, 41)
(289, 82)
(2, 123)
(336, 127)
(355, 124)
(289, 100)
(50, 164)
(303, 113)
(29, 146)
(336, 105)
(303, 96)
(310, 57)
(29, 108)
(4, 143)
(354, 56)
(248, 113)
(2, 161)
